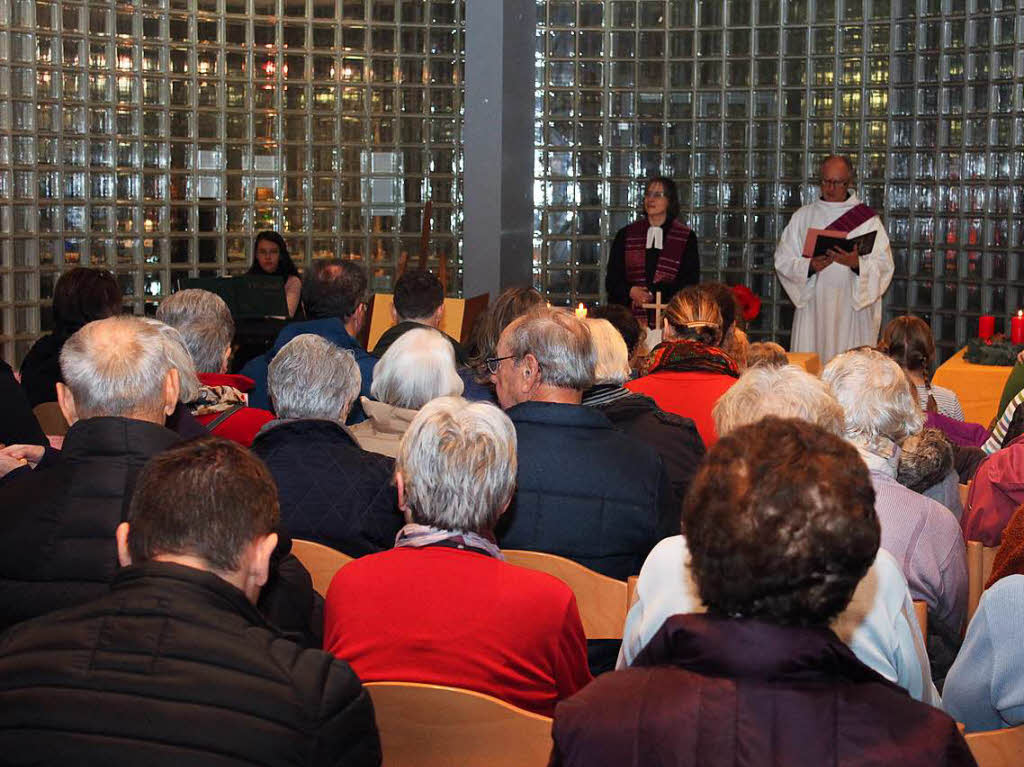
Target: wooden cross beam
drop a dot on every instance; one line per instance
(658, 306)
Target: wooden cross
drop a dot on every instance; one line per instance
(657, 306)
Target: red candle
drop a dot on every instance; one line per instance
(986, 326)
(1017, 328)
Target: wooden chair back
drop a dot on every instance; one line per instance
(602, 601)
(427, 725)
(631, 594)
(921, 613)
(321, 561)
(997, 748)
(51, 419)
(979, 567)
(963, 496)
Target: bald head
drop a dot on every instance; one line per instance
(117, 367)
(836, 178)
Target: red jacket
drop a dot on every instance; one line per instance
(441, 615)
(689, 394)
(242, 425)
(997, 489)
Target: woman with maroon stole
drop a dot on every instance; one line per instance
(657, 253)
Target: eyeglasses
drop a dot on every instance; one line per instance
(493, 362)
(654, 194)
(835, 182)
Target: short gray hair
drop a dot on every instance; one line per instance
(179, 358)
(610, 352)
(312, 378)
(116, 367)
(878, 402)
(785, 392)
(458, 464)
(850, 169)
(418, 367)
(561, 344)
(204, 321)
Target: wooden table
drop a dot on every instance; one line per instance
(809, 361)
(978, 387)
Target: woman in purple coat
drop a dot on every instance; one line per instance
(781, 526)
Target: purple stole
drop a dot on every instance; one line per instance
(852, 218)
(674, 245)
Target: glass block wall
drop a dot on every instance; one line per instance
(155, 137)
(739, 100)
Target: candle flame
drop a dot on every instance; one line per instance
(581, 312)
(1020, 313)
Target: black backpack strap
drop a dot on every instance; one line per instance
(225, 415)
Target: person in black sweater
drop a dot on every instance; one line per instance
(18, 425)
(80, 296)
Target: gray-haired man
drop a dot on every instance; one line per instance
(56, 549)
(585, 490)
(206, 325)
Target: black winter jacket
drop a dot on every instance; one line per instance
(18, 424)
(57, 547)
(174, 666)
(585, 490)
(331, 490)
(674, 437)
(40, 370)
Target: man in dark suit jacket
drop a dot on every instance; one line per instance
(175, 665)
(585, 491)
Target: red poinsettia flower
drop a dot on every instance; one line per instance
(750, 305)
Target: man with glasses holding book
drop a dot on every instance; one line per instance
(835, 262)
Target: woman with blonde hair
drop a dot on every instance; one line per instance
(688, 371)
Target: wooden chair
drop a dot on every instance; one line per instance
(921, 612)
(963, 496)
(321, 561)
(427, 725)
(979, 567)
(997, 748)
(51, 419)
(602, 601)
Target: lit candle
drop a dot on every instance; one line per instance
(581, 312)
(986, 326)
(1017, 328)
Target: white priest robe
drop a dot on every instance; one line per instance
(836, 309)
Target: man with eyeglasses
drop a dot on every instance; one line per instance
(838, 295)
(585, 490)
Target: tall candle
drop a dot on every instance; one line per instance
(986, 326)
(1017, 328)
